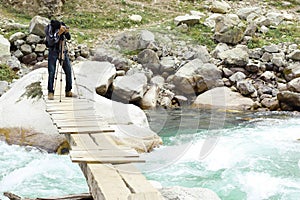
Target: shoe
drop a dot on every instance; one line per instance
(70, 94)
(51, 96)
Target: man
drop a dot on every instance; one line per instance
(56, 33)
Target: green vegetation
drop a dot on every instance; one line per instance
(283, 4)
(283, 33)
(6, 73)
(90, 20)
(34, 90)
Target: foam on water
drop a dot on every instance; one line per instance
(259, 159)
(32, 173)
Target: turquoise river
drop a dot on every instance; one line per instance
(240, 156)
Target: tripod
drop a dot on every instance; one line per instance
(63, 50)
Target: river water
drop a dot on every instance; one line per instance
(240, 156)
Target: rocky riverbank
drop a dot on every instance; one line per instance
(163, 71)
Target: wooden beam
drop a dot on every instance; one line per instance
(105, 182)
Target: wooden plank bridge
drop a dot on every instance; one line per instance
(107, 167)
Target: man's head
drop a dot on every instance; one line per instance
(55, 24)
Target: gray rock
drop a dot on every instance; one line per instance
(220, 7)
(268, 76)
(114, 57)
(251, 29)
(19, 43)
(157, 80)
(37, 25)
(262, 21)
(255, 53)
(33, 39)
(197, 77)
(229, 29)
(238, 76)
(211, 20)
(222, 97)
(18, 54)
(181, 193)
(289, 98)
(201, 53)
(102, 76)
(17, 36)
(237, 56)
(149, 101)
(253, 67)
(270, 103)
(134, 40)
(145, 39)
(29, 59)
(136, 18)
(221, 47)
(291, 71)
(294, 85)
(266, 57)
(275, 18)
(243, 13)
(227, 72)
(271, 48)
(189, 20)
(245, 87)
(167, 64)
(14, 63)
(148, 56)
(130, 88)
(40, 48)
(4, 46)
(295, 55)
(26, 49)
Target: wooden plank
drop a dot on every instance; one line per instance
(71, 108)
(85, 130)
(101, 153)
(79, 123)
(103, 140)
(105, 182)
(134, 179)
(105, 160)
(84, 140)
(145, 196)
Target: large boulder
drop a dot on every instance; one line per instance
(182, 193)
(222, 97)
(237, 56)
(4, 47)
(132, 41)
(289, 100)
(37, 25)
(130, 88)
(294, 85)
(189, 20)
(18, 101)
(52, 143)
(291, 71)
(149, 100)
(229, 29)
(101, 78)
(103, 54)
(196, 77)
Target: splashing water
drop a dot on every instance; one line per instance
(31, 173)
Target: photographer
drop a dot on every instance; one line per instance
(56, 33)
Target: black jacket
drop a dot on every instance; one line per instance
(52, 37)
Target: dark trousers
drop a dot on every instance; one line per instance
(52, 58)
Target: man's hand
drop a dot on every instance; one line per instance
(62, 30)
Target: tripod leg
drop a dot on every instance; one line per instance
(55, 79)
(60, 88)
